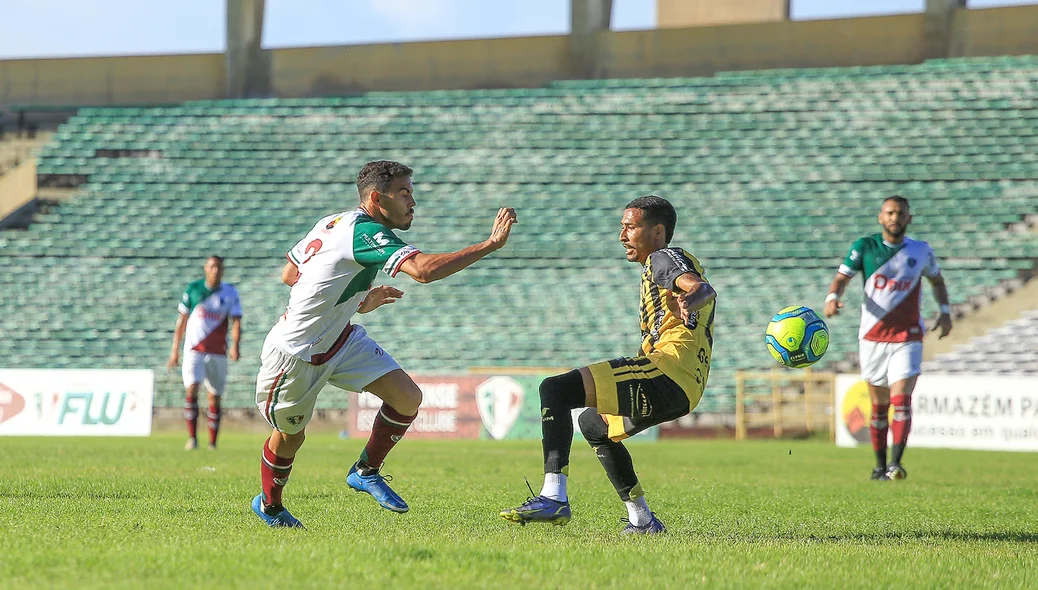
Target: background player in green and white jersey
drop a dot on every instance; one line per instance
(891, 334)
(207, 308)
(331, 271)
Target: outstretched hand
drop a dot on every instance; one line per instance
(944, 322)
(684, 309)
(502, 227)
(379, 296)
(832, 307)
(174, 360)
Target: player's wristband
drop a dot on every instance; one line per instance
(832, 297)
(945, 309)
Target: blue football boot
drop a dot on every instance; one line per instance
(377, 486)
(280, 519)
(654, 526)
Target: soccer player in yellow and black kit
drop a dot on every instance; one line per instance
(629, 394)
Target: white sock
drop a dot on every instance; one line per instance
(555, 487)
(638, 511)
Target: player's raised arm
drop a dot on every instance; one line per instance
(426, 268)
(672, 269)
(695, 293)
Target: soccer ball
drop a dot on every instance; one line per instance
(797, 337)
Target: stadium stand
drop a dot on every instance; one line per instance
(1010, 349)
(774, 174)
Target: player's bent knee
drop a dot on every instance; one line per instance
(285, 444)
(408, 400)
(566, 390)
(412, 400)
(593, 427)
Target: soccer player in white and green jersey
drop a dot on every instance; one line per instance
(891, 334)
(206, 309)
(331, 272)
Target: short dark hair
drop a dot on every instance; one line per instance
(378, 175)
(215, 257)
(897, 199)
(657, 210)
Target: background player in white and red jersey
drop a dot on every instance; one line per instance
(207, 308)
(331, 271)
(891, 334)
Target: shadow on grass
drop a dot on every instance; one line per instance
(887, 537)
(66, 495)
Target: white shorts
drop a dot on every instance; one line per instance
(202, 367)
(287, 386)
(883, 363)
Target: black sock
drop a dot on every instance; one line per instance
(881, 458)
(615, 458)
(559, 395)
(895, 453)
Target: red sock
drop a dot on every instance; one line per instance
(191, 416)
(902, 424)
(214, 422)
(274, 472)
(878, 432)
(388, 429)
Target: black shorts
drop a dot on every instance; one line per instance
(633, 394)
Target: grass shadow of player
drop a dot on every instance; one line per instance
(893, 536)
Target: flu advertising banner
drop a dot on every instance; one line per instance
(981, 412)
(71, 402)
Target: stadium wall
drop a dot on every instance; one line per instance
(112, 80)
(995, 31)
(17, 187)
(518, 62)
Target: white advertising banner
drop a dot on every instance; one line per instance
(71, 402)
(981, 412)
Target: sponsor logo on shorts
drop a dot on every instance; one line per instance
(295, 420)
(640, 404)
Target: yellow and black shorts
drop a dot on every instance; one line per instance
(634, 394)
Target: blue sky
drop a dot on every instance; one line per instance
(139, 27)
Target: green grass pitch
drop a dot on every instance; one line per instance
(143, 513)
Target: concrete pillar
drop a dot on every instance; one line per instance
(938, 27)
(587, 19)
(247, 65)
